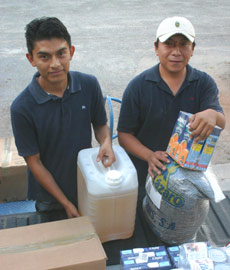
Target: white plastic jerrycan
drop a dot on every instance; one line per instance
(108, 196)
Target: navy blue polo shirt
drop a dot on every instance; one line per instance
(57, 128)
(149, 108)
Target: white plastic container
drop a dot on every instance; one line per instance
(108, 196)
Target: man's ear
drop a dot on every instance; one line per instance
(193, 46)
(30, 59)
(72, 50)
(156, 48)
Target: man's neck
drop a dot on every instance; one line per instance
(56, 89)
(174, 80)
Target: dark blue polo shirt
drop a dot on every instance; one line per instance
(150, 109)
(57, 128)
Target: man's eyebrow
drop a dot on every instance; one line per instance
(62, 49)
(41, 52)
(46, 53)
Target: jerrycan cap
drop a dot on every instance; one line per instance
(113, 177)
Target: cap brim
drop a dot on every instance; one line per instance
(164, 37)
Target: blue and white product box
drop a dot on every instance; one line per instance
(145, 258)
(183, 149)
(174, 255)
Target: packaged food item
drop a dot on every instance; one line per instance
(218, 255)
(201, 264)
(228, 253)
(185, 151)
(222, 266)
(203, 256)
(193, 251)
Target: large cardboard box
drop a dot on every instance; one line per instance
(61, 245)
(13, 172)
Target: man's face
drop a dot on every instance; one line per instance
(52, 59)
(174, 53)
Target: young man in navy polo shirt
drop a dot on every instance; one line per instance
(153, 99)
(52, 118)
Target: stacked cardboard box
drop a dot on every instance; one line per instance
(13, 172)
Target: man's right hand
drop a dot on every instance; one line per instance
(71, 210)
(155, 162)
(134, 146)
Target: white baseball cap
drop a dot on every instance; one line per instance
(175, 25)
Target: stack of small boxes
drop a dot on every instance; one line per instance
(197, 255)
(183, 149)
(145, 258)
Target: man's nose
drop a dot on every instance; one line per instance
(176, 49)
(55, 62)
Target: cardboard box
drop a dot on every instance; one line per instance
(183, 149)
(145, 258)
(13, 172)
(61, 245)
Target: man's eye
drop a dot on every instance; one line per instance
(183, 44)
(62, 53)
(43, 56)
(169, 43)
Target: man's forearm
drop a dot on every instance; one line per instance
(102, 134)
(45, 179)
(134, 146)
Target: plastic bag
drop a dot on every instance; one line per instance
(177, 202)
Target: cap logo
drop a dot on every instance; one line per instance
(177, 24)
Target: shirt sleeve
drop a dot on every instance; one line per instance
(129, 118)
(98, 113)
(210, 95)
(24, 133)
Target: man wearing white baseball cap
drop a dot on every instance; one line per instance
(153, 99)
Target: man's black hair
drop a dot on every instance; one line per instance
(45, 28)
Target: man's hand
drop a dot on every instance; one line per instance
(71, 210)
(155, 160)
(202, 124)
(47, 181)
(106, 154)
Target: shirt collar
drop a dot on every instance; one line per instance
(153, 74)
(42, 96)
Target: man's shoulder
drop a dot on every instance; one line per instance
(21, 99)
(141, 80)
(146, 74)
(197, 74)
(77, 75)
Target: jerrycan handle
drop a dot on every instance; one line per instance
(113, 177)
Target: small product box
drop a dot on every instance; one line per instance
(183, 149)
(145, 258)
(174, 255)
